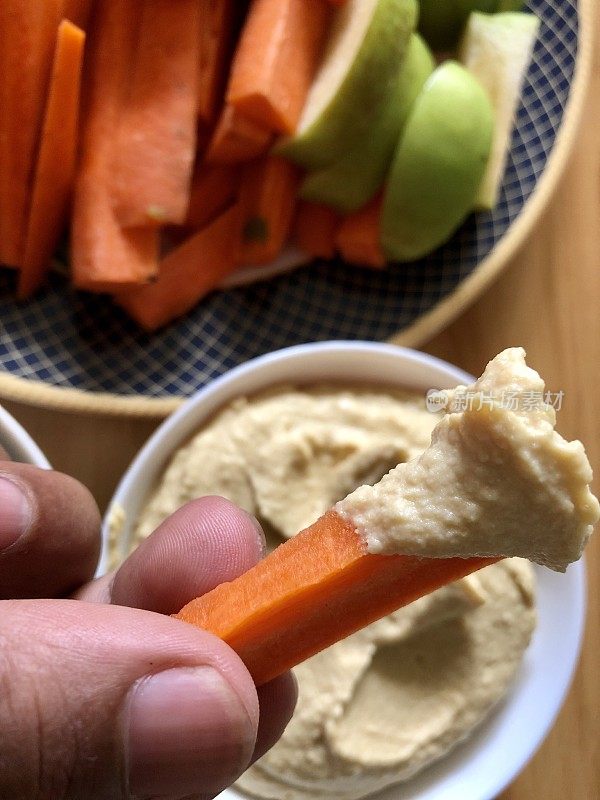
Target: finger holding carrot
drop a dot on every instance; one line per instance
(131, 703)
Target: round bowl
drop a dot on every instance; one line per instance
(18, 443)
(484, 765)
(79, 352)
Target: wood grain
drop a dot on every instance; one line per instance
(548, 301)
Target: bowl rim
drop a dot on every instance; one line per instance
(37, 393)
(18, 443)
(178, 428)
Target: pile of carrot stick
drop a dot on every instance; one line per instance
(145, 130)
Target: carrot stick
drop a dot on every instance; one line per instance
(27, 34)
(216, 42)
(315, 229)
(203, 136)
(237, 139)
(186, 274)
(56, 160)
(104, 257)
(214, 187)
(276, 59)
(358, 236)
(78, 11)
(268, 198)
(156, 142)
(312, 591)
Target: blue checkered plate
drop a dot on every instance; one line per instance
(85, 345)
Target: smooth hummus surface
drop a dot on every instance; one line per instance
(287, 455)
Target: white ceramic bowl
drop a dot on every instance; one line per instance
(484, 765)
(18, 443)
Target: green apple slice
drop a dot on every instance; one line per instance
(438, 165)
(442, 21)
(355, 80)
(497, 49)
(351, 181)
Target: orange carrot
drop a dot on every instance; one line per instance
(312, 591)
(268, 198)
(56, 160)
(27, 35)
(214, 187)
(358, 236)
(104, 257)
(186, 274)
(203, 136)
(237, 139)
(315, 229)
(156, 140)
(78, 11)
(216, 42)
(276, 59)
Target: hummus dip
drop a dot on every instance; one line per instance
(379, 706)
(288, 454)
(496, 480)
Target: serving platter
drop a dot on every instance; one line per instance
(79, 352)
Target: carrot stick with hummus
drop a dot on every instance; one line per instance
(497, 480)
(313, 590)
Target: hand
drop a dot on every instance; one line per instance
(102, 696)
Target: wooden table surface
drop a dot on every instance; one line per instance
(548, 300)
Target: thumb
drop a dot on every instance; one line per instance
(107, 701)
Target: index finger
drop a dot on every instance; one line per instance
(206, 542)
